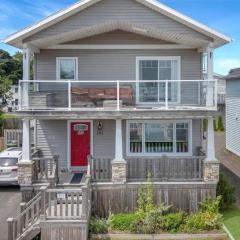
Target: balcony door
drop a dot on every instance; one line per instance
(151, 69)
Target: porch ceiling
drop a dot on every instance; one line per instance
(108, 26)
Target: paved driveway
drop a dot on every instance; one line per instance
(10, 199)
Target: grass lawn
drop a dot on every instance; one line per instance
(231, 219)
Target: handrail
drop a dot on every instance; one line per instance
(72, 95)
(116, 81)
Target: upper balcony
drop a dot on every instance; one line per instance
(135, 95)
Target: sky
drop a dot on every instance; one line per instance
(222, 15)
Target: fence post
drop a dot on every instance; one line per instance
(43, 202)
(84, 202)
(10, 222)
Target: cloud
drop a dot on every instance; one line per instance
(224, 65)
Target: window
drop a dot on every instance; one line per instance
(67, 68)
(160, 68)
(156, 137)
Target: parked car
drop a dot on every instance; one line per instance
(8, 166)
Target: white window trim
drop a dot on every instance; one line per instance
(158, 58)
(174, 153)
(58, 67)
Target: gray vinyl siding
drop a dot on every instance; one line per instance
(52, 139)
(118, 37)
(109, 10)
(233, 116)
(104, 144)
(113, 64)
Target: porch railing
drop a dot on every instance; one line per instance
(165, 169)
(118, 95)
(46, 169)
(160, 169)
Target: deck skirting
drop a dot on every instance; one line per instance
(184, 196)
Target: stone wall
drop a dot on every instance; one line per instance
(211, 171)
(25, 173)
(119, 171)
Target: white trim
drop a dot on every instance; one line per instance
(121, 46)
(174, 153)
(232, 150)
(58, 59)
(158, 58)
(157, 6)
(69, 139)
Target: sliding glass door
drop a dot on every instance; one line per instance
(152, 69)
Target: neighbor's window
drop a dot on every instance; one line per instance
(152, 137)
(67, 68)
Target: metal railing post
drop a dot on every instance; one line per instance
(118, 96)
(69, 96)
(166, 95)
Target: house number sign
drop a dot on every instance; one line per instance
(80, 128)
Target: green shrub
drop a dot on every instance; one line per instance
(173, 221)
(98, 226)
(220, 124)
(227, 192)
(122, 221)
(145, 197)
(215, 125)
(202, 221)
(206, 219)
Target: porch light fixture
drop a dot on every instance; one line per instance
(100, 128)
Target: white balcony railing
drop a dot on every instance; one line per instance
(41, 95)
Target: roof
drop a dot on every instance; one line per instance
(233, 74)
(17, 38)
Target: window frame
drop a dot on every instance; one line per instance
(146, 154)
(157, 58)
(58, 59)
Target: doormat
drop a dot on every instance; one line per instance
(77, 177)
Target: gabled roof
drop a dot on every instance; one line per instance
(17, 38)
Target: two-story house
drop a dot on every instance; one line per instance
(118, 83)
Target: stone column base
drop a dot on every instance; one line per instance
(119, 171)
(211, 171)
(25, 173)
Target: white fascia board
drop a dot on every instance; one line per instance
(157, 6)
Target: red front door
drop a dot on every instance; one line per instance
(80, 143)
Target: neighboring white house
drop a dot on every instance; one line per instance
(233, 111)
(12, 103)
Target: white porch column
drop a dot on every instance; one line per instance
(210, 141)
(211, 85)
(118, 141)
(26, 165)
(26, 141)
(26, 76)
(119, 171)
(211, 164)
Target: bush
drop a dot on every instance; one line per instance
(122, 221)
(227, 192)
(202, 221)
(173, 221)
(98, 226)
(215, 125)
(206, 219)
(220, 124)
